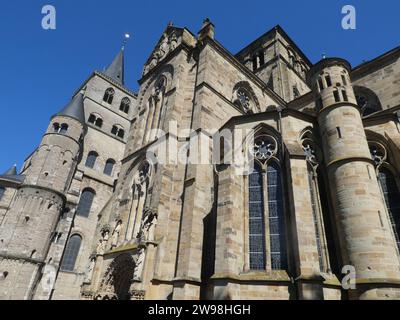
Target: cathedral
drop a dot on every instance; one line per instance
(97, 212)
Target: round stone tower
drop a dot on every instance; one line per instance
(38, 204)
(365, 238)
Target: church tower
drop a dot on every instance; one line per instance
(365, 240)
(25, 233)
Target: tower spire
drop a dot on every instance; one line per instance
(116, 69)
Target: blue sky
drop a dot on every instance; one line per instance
(41, 69)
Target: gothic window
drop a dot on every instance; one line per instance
(257, 250)
(276, 217)
(243, 100)
(367, 100)
(118, 131)
(71, 253)
(85, 203)
(2, 191)
(91, 159)
(125, 104)
(109, 95)
(108, 169)
(96, 120)
(391, 195)
(267, 184)
(264, 148)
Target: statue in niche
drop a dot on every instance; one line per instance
(101, 247)
(173, 42)
(115, 234)
(146, 228)
(89, 270)
(164, 47)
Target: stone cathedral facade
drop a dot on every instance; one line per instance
(92, 216)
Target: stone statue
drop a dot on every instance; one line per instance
(101, 247)
(89, 270)
(115, 234)
(173, 42)
(148, 220)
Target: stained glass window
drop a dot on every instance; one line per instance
(256, 220)
(392, 200)
(71, 253)
(276, 218)
(85, 203)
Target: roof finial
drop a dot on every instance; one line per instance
(125, 41)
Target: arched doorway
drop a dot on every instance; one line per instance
(117, 279)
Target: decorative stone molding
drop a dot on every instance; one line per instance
(137, 294)
(168, 43)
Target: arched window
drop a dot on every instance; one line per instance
(265, 150)
(108, 169)
(91, 159)
(56, 127)
(336, 95)
(328, 80)
(2, 191)
(64, 128)
(96, 120)
(367, 100)
(392, 199)
(109, 95)
(71, 253)
(118, 131)
(85, 203)
(125, 104)
(257, 250)
(276, 217)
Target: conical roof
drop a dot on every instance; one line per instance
(74, 109)
(11, 175)
(11, 172)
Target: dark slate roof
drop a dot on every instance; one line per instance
(74, 109)
(116, 69)
(11, 172)
(12, 176)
